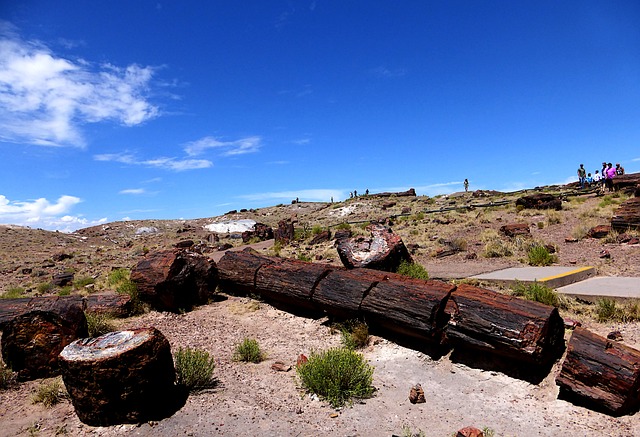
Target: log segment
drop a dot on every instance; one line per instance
(384, 250)
(120, 377)
(600, 374)
(175, 280)
(32, 341)
(237, 270)
(503, 325)
(540, 201)
(626, 182)
(627, 216)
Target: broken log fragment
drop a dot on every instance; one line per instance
(627, 216)
(407, 306)
(384, 250)
(11, 308)
(112, 304)
(32, 341)
(600, 374)
(120, 377)
(175, 280)
(540, 201)
(505, 326)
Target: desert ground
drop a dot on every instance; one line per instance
(254, 399)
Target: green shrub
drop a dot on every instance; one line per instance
(45, 287)
(540, 256)
(497, 249)
(248, 351)
(606, 310)
(338, 375)
(413, 270)
(277, 248)
(317, 229)
(50, 393)
(120, 279)
(82, 282)
(344, 227)
(537, 292)
(355, 334)
(194, 368)
(304, 257)
(99, 324)
(13, 293)
(65, 291)
(7, 377)
(117, 276)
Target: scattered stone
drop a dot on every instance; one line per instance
(413, 248)
(223, 247)
(260, 231)
(322, 237)
(406, 210)
(470, 431)
(184, 244)
(62, 279)
(514, 229)
(279, 366)
(540, 201)
(416, 395)
(571, 324)
(471, 255)
(600, 231)
(615, 336)
(342, 234)
(634, 240)
(387, 205)
(61, 256)
(302, 359)
(442, 221)
(605, 254)
(571, 240)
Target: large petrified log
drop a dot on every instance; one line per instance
(540, 201)
(32, 341)
(601, 374)
(175, 280)
(411, 192)
(408, 306)
(626, 182)
(384, 250)
(117, 305)
(120, 377)
(285, 232)
(627, 215)
(237, 270)
(505, 326)
(260, 231)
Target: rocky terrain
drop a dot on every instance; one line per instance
(451, 236)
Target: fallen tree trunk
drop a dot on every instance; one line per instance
(627, 216)
(504, 325)
(120, 377)
(626, 182)
(237, 270)
(600, 374)
(408, 306)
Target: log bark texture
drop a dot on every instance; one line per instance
(627, 216)
(121, 377)
(504, 325)
(175, 280)
(237, 270)
(626, 182)
(384, 250)
(600, 374)
(32, 341)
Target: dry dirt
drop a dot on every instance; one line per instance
(252, 399)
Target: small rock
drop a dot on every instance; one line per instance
(333, 415)
(605, 254)
(416, 395)
(471, 255)
(570, 240)
(469, 431)
(302, 359)
(279, 366)
(599, 231)
(571, 324)
(615, 335)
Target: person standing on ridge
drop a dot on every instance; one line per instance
(582, 175)
(466, 185)
(619, 170)
(610, 174)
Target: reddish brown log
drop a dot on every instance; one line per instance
(290, 282)
(504, 325)
(627, 216)
(626, 182)
(384, 250)
(113, 304)
(540, 201)
(32, 341)
(237, 270)
(408, 306)
(175, 280)
(121, 377)
(341, 292)
(411, 192)
(600, 374)
(513, 229)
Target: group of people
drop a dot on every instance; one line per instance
(601, 178)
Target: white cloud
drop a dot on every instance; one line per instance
(388, 72)
(162, 162)
(310, 195)
(41, 213)
(44, 99)
(228, 148)
(132, 191)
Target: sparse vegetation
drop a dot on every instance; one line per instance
(13, 293)
(608, 310)
(355, 334)
(248, 351)
(407, 432)
(83, 281)
(537, 292)
(413, 270)
(194, 368)
(553, 218)
(50, 392)
(65, 291)
(45, 287)
(7, 377)
(304, 257)
(338, 375)
(119, 278)
(99, 324)
(540, 256)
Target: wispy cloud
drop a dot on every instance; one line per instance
(165, 163)
(310, 195)
(388, 72)
(41, 213)
(227, 148)
(44, 98)
(302, 141)
(134, 191)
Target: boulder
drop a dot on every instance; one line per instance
(260, 231)
(175, 280)
(120, 377)
(285, 232)
(384, 250)
(62, 279)
(513, 229)
(416, 395)
(600, 231)
(322, 237)
(32, 341)
(540, 201)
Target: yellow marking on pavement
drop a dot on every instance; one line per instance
(562, 275)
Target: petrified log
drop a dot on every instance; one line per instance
(504, 325)
(626, 182)
(32, 341)
(322, 237)
(384, 250)
(290, 282)
(260, 231)
(285, 232)
(600, 374)
(513, 229)
(113, 304)
(540, 201)
(62, 279)
(120, 377)
(627, 216)
(411, 192)
(237, 270)
(175, 280)
(341, 292)
(408, 306)
(599, 231)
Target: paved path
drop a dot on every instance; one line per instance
(613, 287)
(554, 276)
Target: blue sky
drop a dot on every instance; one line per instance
(113, 110)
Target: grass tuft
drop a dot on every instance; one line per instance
(537, 292)
(194, 368)
(7, 377)
(413, 270)
(248, 351)
(13, 293)
(338, 375)
(540, 256)
(355, 334)
(99, 324)
(50, 393)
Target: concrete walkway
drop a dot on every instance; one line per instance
(612, 287)
(553, 276)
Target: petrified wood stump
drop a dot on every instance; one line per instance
(32, 341)
(175, 280)
(384, 250)
(503, 325)
(600, 374)
(120, 377)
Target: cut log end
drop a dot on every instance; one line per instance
(106, 346)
